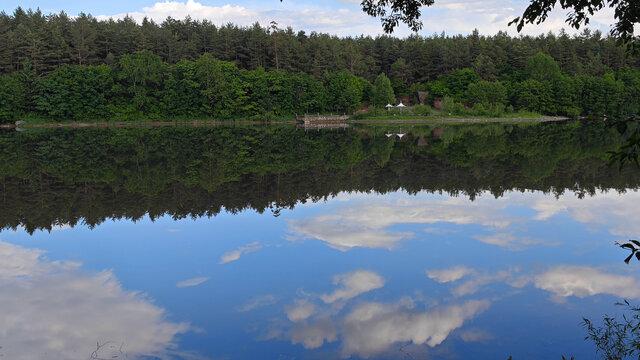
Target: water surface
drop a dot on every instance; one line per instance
(450, 242)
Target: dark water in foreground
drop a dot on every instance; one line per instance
(476, 241)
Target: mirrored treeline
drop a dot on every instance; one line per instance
(70, 176)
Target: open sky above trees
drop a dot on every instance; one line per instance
(337, 17)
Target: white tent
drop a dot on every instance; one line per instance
(401, 105)
(389, 106)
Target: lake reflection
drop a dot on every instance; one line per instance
(463, 241)
(361, 275)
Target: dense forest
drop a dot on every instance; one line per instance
(58, 67)
(70, 176)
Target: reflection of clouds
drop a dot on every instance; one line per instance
(362, 224)
(191, 282)
(510, 241)
(54, 310)
(258, 302)
(472, 286)
(342, 236)
(583, 281)
(367, 223)
(313, 336)
(449, 275)
(352, 285)
(474, 335)
(235, 254)
(300, 311)
(618, 209)
(371, 328)
(476, 280)
(378, 215)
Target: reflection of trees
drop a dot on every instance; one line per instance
(89, 175)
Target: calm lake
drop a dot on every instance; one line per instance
(478, 241)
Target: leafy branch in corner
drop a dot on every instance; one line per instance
(634, 246)
(616, 339)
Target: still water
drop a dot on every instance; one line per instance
(279, 243)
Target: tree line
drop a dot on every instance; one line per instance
(60, 67)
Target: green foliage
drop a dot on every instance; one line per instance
(13, 97)
(486, 93)
(344, 92)
(421, 109)
(459, 80)
(451, 107)
(542, 67)
(383, 92)
(73, 92)
(533, 95)
(143, 74)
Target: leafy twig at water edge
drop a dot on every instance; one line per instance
(616, 340)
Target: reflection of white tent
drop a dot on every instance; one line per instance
(401, 105)
(400, 135)
(389, 135)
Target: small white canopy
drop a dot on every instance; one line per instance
(401, 105)
(389, 106)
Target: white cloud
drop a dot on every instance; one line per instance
(449, 275)
(235, 254)
(191, 282)
(450, 16)
(56, 309)
(314, 335)
(583, 281)
(300, 311)
(258, 302)
(371, 328)
(352, 285)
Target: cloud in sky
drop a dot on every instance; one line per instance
(353, 284)
(235, 254)
(191, 282)
(344, 17)
(55, 308)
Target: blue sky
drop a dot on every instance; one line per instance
(339, 17)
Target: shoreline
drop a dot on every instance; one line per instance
(287, 122)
